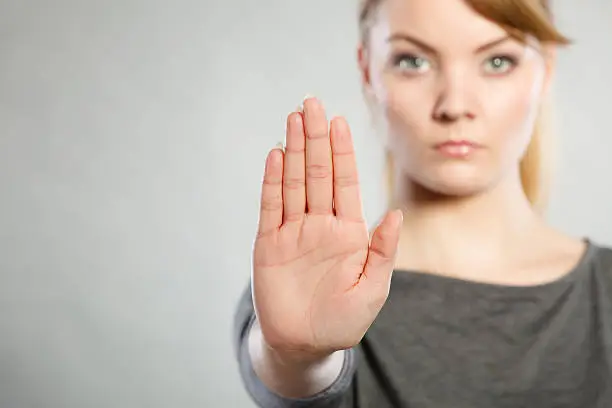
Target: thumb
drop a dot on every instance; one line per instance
(383, 248)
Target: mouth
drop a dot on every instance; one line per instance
(457, 148)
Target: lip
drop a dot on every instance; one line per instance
(457, 148)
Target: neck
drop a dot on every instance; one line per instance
(484, 230)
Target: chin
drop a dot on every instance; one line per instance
(458, 180)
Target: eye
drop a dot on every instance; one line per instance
(500, 64)
(411, 63)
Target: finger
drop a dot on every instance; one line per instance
(347, 196)
(319, 183)
(294, 178)
(271, 207)
(383, 249)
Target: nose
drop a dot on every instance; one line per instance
(454, 100)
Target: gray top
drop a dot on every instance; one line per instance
(444, 342)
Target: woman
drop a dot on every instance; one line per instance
(488, 305)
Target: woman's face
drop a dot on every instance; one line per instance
(458, 95)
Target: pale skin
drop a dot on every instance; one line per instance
(434, 71)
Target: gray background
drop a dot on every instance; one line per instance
(132, 141)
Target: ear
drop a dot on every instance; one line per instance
(363, 62)
(550, 61)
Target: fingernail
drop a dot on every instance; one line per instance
(280, 146)
(301, 106)
(399, 218)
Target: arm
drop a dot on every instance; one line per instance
(274, 381)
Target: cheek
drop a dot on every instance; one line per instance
(407, 107)
(512, 107)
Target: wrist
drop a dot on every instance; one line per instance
(296, 358)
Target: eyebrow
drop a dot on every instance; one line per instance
(432, 50)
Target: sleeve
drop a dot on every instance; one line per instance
(337, 395)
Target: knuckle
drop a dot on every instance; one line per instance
(294, 151)
(294, 216)
(346, 181)
(320, 210)
(316, 132)
(261, 234)
(318, 171)
(294, 183)
(271, 181)
(351, 219)
(380, 253)
(344, 151)
(271, 204)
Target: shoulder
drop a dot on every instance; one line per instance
(599, 259)
(601, 255)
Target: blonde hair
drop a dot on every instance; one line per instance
(520, 18)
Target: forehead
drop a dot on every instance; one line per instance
(441, 23)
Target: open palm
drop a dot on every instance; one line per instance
(318, 279)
